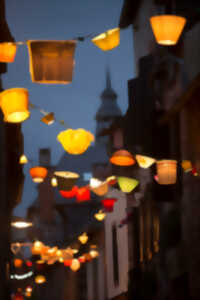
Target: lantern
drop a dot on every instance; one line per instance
(21, 224)
(186, 165)
(94, 253)
(108, 204)
(48, 119)
(18, 263)
(67, 262)
(18, 296)
(29, 263)
(54, 182)
(29, 289)
(166, 170)
(37, 248)
(51, 61)
(144, 161)
(83, 194)
(98, 187)
(127, 184)
(66, 180)
(194, 172)
(111, 180)
(108, 40)
(69, 194)
(14, 104)
(167, 28)
(40, 279)
(7, 52)
(100, 216)
(75, 141)
(23, 159)
(88, 257)
(82, 259)
(75, 265)
(38, 174)
(122, 158)
(83, 238)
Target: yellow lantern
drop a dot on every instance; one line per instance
(75, 141)
(40, 279)
(127, 184)
(54, 182)
(38, 174)
(7, 52)
(186, 165)
(98, 187)
(37, 248)
(14, 104)
(108, 40)
(100, 216)
(167, 171)
(23, 159)
(167, 28)
(94, 253)
(144, 161)
(83, 238)
(75, 265)
(48, 119)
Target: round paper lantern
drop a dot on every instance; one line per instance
(29, 289)
(94, 253)
(127, 184)
(167, 28)
(66, 180)
(144, 161)
(108, 40)
(82, 259)
(67, 262)
(83, 238)
(14, 104)
(98, 187)
(37, 248)
(38, 174)
(29, 263)
(108, 204)
(166, 171)
(75, 141)
(7, 52)
(18, 263)
(75, 265)
(69, 194)
(122, 158)
(23, 159)
(54, 182)
(40, 279)
(82, 194)
(186, 165)
(100, 216)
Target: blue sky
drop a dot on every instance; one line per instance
(77, 102)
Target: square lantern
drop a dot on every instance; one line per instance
(51, 61)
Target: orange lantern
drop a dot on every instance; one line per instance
(108, 40)
(69, 194)
(167, 28)
(14, 104)
(167, 171)
(82, 259)
(7, 52)
(37, 248)
(38, 174)
(88, 257)
(83, 194)
(40, 279)
(75, 265)
(98, 187)
(67, 262)
(18, 263)
(48, 119)
(186, 165)
(83, 238)
(100, 216)
(122, 158)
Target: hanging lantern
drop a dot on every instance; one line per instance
(83, 238)
(88, 257)
(18, 263)
(51, 61)
(122, 158)
(48, 119)
(98, 187)
(111, 180)
(67, 262)
(75, 141)
(94, 253)
(82, 259)
(38, 174)
(108, 40)
(21, 224)
(29, 289)
(29, 263)
(166, 170)
(69, 194)
(37, 248)
(40, 279)
(100, 216)
(127, 184)
(144, 161)
(75, 265)
(14, 104)
(18, 296)
(167, 28)
(7, 52)
(23, 159)
(66, 180)
(186, 165)
(83, 194)
(108, 204)
(54, 182)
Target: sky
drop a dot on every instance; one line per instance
(76, 103)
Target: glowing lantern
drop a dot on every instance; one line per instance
(167, 28)
(51, 61)
(21, 224)
(54, 182)
(88, 257)
(18, 296)
(127, 184)
(83, 194)
(69, 194)
(40, 279)
(186, 165)
(166, 170)
(75, 141)
(23, 159)
(29, 289)
(108, 204)
(14, 104)
(94, 253)
(194, 172)
(18, 263)
(7, 52)
(29, 263)
(37, 248)
(122, 158)
(111, 180)
(144, 161)
(67, 262)
(48, 119)
(66, 180)
(108, 40)
(100, 216)
(75, 265)
(82, 259)
(83, 238)
(98, 187)
(38, 174)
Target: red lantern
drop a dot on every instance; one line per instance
(108, 204)
(83, 194)
(82, 259)
(67, 262)
(69, 194)
(18, 296)
(29, 263)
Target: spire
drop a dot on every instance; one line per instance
(108, 92)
